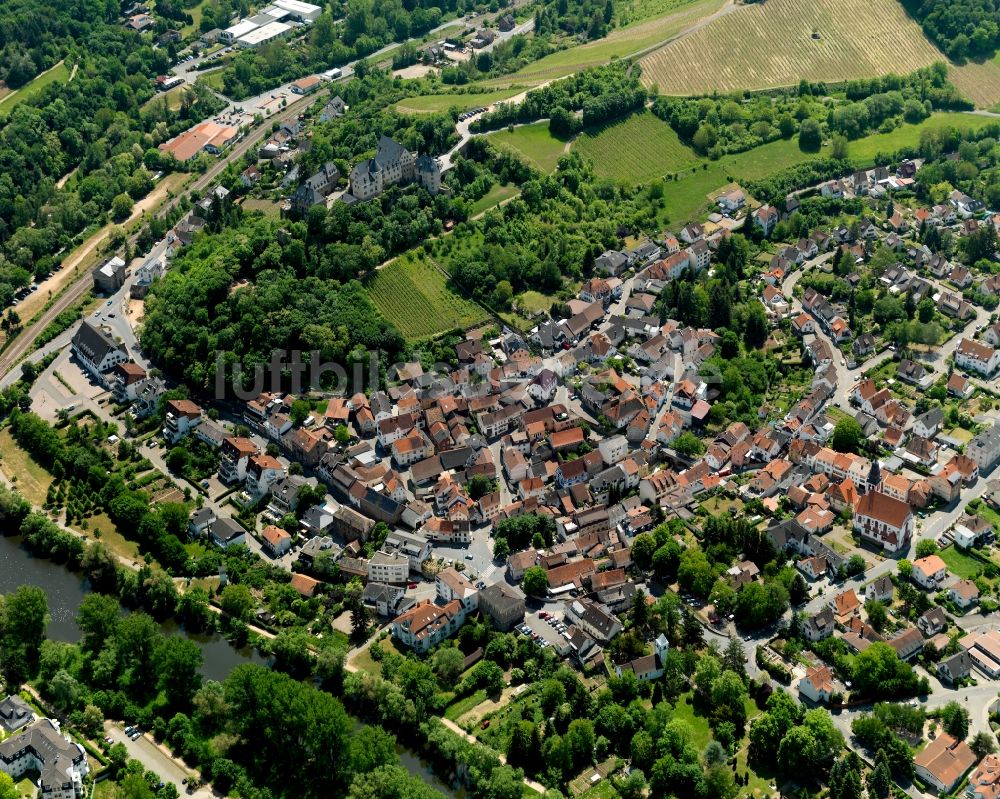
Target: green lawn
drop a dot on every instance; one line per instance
(696, 723)
(212, 79)
(26, 788)
(429, 103)
(456, 710)
(497, 194)
(864, 150)
(534, 142)
(414, 295)
(638, 149)
(960, 564)
(34, 86)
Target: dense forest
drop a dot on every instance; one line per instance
(195, 312)
(35, 34)
(961, 28)
(101, 124)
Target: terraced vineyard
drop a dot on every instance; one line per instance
(780, 42)
(979, 82)
(414, 296)
(675, 18)
(637, 150)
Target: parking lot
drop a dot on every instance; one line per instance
(546, 632)
(152, 757)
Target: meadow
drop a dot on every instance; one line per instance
(431, 103)
(413, 294)
(780, 42)
(60, 72)
(534, 142)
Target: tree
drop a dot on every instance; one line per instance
(983, 744)
(7, 788)
(97, 619)
(838, 147)
(643, 547)
(879, 778)
(448, 664)
(877, 616)
(301, 409)
(178, 669)
(536, 581)
(237, 601)
(847, 435)
(810, 135)
(121, 207)
(501, 549)
(926, 547)
(687, 443)
(925, 310)
(390, 782)
(955, 720)
(24, 615)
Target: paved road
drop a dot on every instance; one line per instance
(145, 750)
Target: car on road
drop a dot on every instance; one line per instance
(469, 556)
(109, 302)
(111, 315)
(411, 586)
(108, 740)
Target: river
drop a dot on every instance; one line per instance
(65, 591)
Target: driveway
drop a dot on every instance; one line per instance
(152, 757)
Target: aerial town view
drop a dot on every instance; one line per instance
(571, 399)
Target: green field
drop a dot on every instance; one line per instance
(212, 79)
(960, 564)
(534, 142)
(497, 194)
(637, 150)
(59, 72)
(430, 103)
(413, 295)
(864, 150)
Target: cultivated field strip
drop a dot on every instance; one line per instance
(979, 82)
(771, 44)
(415, 297)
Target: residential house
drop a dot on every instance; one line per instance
(275, 541)
(955, 669)
(109, 276)
(426, 625)
(388, 567)
(943, 762)
(977, 357)
(59, 762)
(225, 532)
(97, 351)
(928, 572)
(817, 685)
(984, 449)
(964, 594)
(932, 621)
(907, 643)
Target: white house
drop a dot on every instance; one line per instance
(41, 747)
(817, 685)
(97, 351)
(977, 357)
